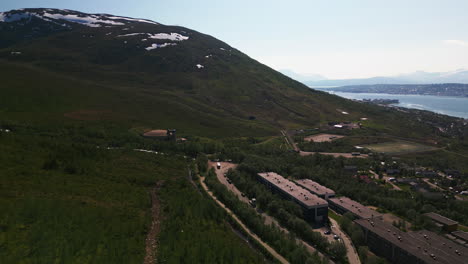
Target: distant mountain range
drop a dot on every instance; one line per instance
(303, 77)
(419, 77)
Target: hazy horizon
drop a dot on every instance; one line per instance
(335, 39)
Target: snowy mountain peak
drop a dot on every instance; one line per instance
(68, 16)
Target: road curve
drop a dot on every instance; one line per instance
(351, 253)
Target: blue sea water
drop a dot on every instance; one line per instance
(447, 105)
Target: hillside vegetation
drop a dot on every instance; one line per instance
(75, 98)
(65, 200)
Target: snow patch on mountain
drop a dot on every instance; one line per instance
(90, 20)
(165, 36)
(170, 36)
(132, 19)
(6, 17)
(132, 34)
(155, 46)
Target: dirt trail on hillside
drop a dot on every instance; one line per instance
(151, 238)
(290, 141)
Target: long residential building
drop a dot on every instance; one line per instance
(315, 208)
(446, 223)
(343, 205)
(410, 247)
(316, 188)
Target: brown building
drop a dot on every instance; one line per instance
(315, 188)
(163, 134)
(315, 208)
(445, 223)
(410, 247)
(344, 205)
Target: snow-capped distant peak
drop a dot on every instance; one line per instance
(53, 15)
(457, 71)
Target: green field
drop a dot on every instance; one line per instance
(399, 147)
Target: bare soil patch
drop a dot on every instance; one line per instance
(323, 138)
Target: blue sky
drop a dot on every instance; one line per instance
(334, 38)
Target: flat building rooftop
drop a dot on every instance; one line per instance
(441, 219)
(156, 133)
(300, 194)
(354, 207)
(315, 187)
(425, 245)
(461, 235)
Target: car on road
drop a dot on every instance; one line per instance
(253, 202)
(243, 194)
(327, 232)
(336, 237)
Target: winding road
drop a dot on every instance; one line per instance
(351, 253)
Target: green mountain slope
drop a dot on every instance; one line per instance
(107, 68)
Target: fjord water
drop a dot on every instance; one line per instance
(447, 105)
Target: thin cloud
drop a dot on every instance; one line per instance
(456, 42)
